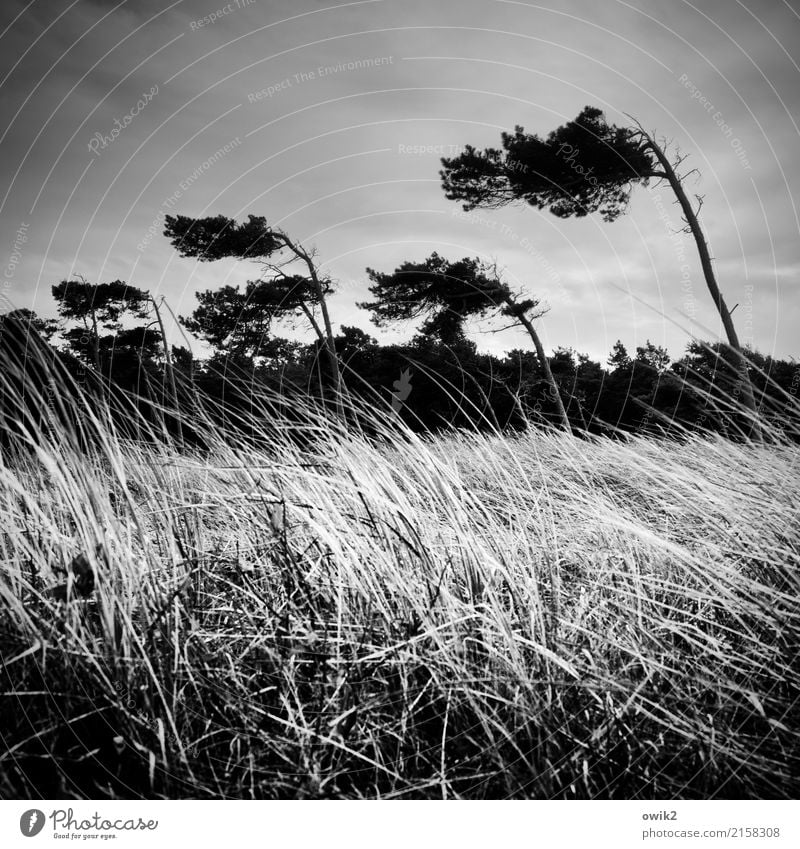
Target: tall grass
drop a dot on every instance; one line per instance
(465, 616)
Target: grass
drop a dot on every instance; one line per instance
(462, 616)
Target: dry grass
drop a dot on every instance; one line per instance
(463, 616)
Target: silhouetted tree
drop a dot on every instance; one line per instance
(23, 322)
(30, 371)
(584, 166)
(357, 351)
(213, 238)
(94, 307)
(446, 294)
(239, 323)
(618, 358)
(653, 355)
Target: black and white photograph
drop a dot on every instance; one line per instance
(399, 402)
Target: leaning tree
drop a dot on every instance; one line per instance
(446, 294)
(585, 166)
(284, 293)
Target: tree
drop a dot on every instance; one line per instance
(31, 376)
(122, 353)
(446, 294)
(238, 323)
(708, 372)
(356, 349)
(618, 358)
(652, 355)
(168, 365)
(585, 166)
(23, 323)
(213, 238)
(95, 307)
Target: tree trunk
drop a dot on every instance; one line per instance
(96, 347)
(330, 347)
(711, 281)
(323, 341)
(327, 337)
(170, 372)
(96, 358)
(537, 343)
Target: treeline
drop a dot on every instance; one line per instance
(109, 349)
(109, 338)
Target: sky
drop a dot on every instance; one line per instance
(330, 119)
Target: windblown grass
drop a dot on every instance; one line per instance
(464, 616)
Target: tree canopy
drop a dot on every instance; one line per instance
(218, 237)
(450, 292)
(445, 293)
(281, 294)
(80, 300)
(233, 319)
(584, 166)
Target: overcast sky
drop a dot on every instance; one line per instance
(229, 109)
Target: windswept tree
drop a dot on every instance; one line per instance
(284, 293)
(582, 167)
(446, 294)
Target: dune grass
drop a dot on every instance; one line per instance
(462, 616)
